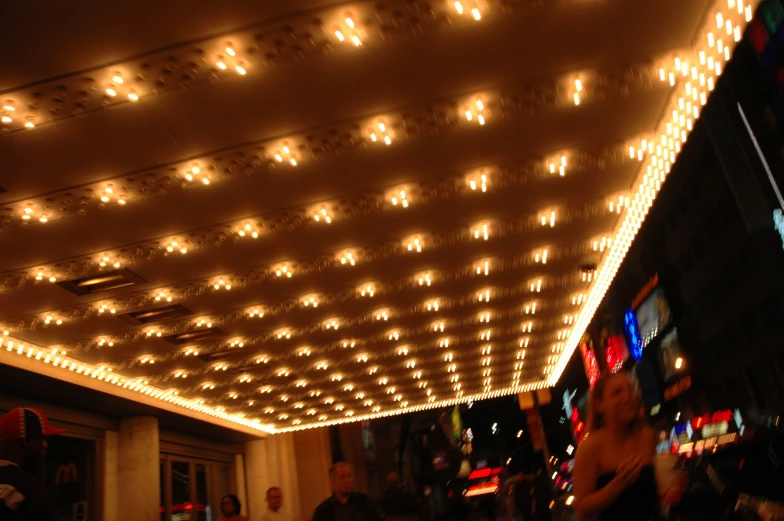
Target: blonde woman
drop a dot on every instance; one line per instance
(614, 478)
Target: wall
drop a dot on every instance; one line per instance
(278, 462)
(297, 462)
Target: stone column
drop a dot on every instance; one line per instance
(287, 464)
(110, 477)
(298, 463)
(138, 469)
(256, 465)
(314, 458)
(239, 477)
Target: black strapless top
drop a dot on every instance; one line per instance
(639, 502)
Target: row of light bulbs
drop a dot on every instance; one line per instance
(695, 77)
(359, 396)
(283, 270)
(247, 227)
(183, 246)
(104, 374)
(323, 365)
(361, 358)
(401, 351)
(191, 172)
(484, 295)
(226, 57)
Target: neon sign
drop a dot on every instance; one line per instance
(632, 329)
(708, 419)
(616, 353)
(678, 388)
(590, 363)
(645, 291)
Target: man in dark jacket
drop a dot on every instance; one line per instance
(344, 504)
(543, 493)
(23, 446)
(395, 502)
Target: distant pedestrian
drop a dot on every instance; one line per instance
(344, 504)
(274, 504)
(231, 508)
(542, 488)
(522, 497)
(396, 502)
(23, 495)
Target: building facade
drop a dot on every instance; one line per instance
(122, 460)
(709, 262)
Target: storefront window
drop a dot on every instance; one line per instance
(70, 475)
(191, 489)
(181, 491)
(162, 492)
(202, 493)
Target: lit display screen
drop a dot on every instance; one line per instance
(653, 316)
(670, 352)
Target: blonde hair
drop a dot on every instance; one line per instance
(595, 418)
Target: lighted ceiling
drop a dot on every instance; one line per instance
(346, 210)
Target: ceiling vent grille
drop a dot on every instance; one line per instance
(198, 335)
(106, 281)
(150, 316)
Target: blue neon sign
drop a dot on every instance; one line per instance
(632, 329)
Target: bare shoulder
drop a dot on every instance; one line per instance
(589, 449)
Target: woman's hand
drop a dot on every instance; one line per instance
(628, 472)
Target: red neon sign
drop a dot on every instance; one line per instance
(617, 353)
(485, 473)
(590, 363)
(707, 419)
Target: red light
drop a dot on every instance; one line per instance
(741, 464)
(479, 474)
(780, 75)
(188, 507)
(485, 473)
(479, 490)
(759, 36)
